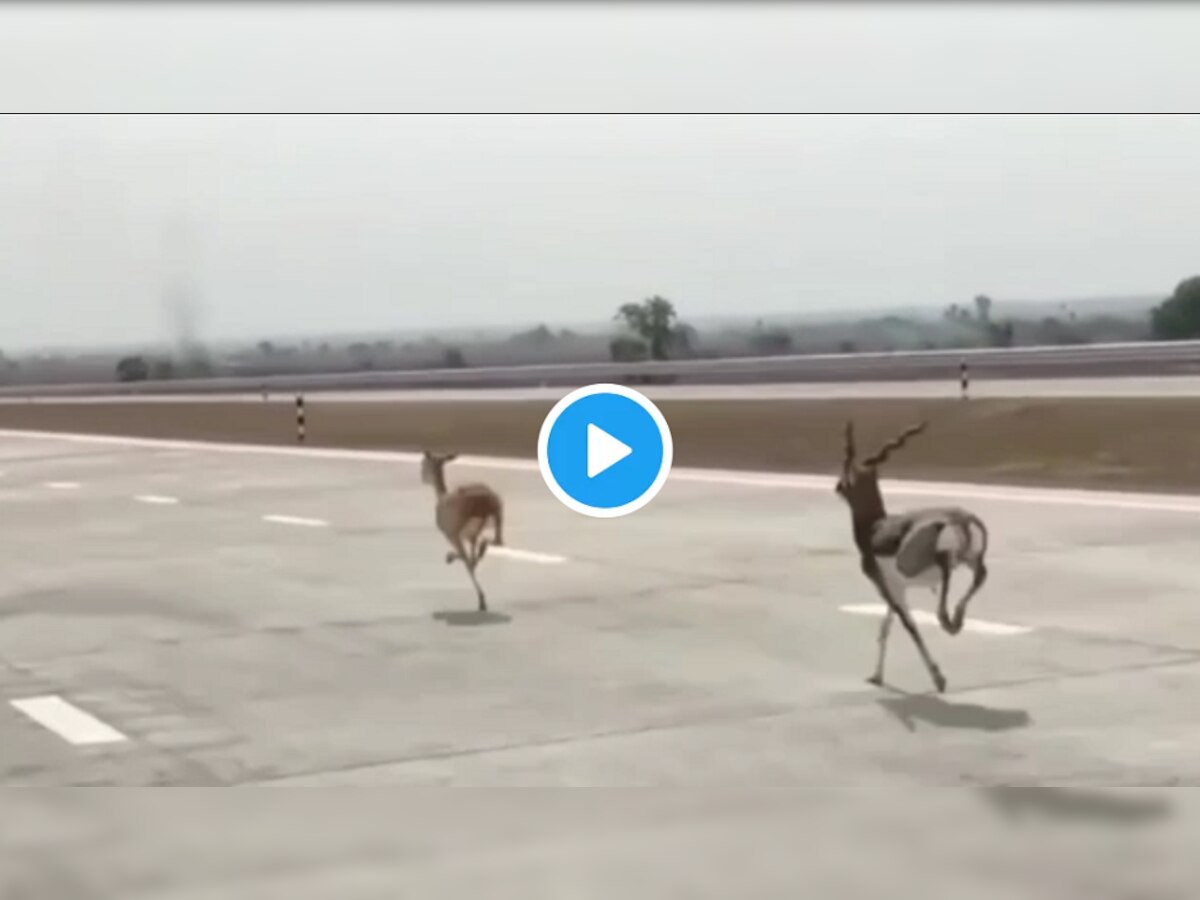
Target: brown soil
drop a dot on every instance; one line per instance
(1112, 443)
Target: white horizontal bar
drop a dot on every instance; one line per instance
(525, 555)
(977, 626)
(68, 721)
(156, 499)
(296, 520)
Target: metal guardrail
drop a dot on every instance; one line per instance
(1092, 360)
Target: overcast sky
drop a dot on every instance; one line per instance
(293, 224)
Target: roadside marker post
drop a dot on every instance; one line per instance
(301, 424)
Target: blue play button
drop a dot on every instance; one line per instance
(605, 450)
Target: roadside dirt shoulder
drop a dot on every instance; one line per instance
(1116, 444)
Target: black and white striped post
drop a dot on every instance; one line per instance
(301, 430)
(964, 378)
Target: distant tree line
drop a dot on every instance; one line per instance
(995, 333)
(1178, 317)
(137, 367)
(653, 330)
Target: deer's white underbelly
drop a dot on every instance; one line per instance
(897, 582)
(962, 544)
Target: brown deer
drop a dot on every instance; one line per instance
(921, 547)
(462, 514)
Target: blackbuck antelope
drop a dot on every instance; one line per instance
(462, 514)
(921, 547)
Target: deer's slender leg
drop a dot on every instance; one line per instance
(960, 612)
(446, 527)
(470, 535)
(478, 589)
(872, 570)
(459, 551)
(470, 561)
(944, 567)
(885, 628)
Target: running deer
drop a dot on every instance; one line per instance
(922, 547)
(462, 514)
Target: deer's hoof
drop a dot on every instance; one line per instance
(939, 681)
(949, 625)
(451, 557)
(876, 680)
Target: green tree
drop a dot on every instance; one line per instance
(983, 305)
(539, 335)
(653, 320)
(770, 342)
(132, 368)
(1178, 317)
(1000, 334)
(956, 313)
(625, 348)
(683, 342)
(163, 369)
(361, 355)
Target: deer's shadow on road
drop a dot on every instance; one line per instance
(909, 709)
(1115, 806)
(471, 618)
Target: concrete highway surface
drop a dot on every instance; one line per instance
(176, 614)
(1139, 386)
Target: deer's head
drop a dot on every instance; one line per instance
(859, 481)
(433, 467)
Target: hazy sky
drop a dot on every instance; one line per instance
(348, 222)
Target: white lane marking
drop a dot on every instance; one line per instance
(296, 520)
(532, 556)
(62, 485)
(68, 721)
(979, 626)
(156, 499)
(1177, 503)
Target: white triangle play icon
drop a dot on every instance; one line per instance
(603, 451)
